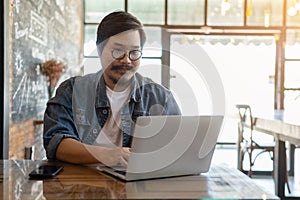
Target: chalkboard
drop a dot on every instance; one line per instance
(41, 30)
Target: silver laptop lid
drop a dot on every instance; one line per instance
(172, 145)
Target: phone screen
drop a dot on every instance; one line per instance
(46, 171)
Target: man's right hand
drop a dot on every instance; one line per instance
(115, 156)
(73, 151)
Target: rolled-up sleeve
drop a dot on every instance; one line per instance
(58, 119)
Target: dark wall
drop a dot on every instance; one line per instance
(41, 30)
(1, 78)
(4, 80)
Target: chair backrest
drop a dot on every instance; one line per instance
(244, 112)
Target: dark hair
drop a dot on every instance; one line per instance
(117, 22)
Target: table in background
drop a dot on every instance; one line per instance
(285, 127)
(86, 182)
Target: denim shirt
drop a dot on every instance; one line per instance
(64, 120)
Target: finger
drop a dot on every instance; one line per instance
(123, 162)
(127, 149)
(125, 155)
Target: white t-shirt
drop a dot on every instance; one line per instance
(111, 134)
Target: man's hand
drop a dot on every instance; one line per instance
(73, 151)
(110, 156)
(115, 156)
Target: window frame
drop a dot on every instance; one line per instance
(280, 31)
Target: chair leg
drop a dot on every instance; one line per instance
(287, 177)
(287, 182)
(250, 164)
(241, 159)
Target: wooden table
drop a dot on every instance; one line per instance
(86, 182)
(284, 126)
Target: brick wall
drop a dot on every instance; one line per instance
(26, 134)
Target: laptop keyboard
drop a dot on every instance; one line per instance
(119, 169)
(121, 172)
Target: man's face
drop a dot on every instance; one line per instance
(120, 70)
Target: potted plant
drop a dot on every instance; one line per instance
(53, 69)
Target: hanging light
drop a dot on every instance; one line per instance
(267, 17)
(225, 6)
(297, 5)
(292, 11)
(249, 9)
(267, 12)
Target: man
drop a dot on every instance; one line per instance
(91, 118)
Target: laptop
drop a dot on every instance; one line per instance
(167, 146)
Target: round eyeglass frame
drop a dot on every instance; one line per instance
(124, 54)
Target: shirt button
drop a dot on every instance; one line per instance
(95, 131)
(104, 111)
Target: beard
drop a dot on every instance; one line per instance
(121, 74)
(122, 67)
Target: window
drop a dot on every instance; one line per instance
(292, 71)
(247, 78)
(90, 32)
(95, 10)
(292, 47)
(292, 78)
(225, 12)
(149, 12)
(153, 45)
(292, 101)
(186, 12)
(293, 13)
(252, 14)
(264, 13)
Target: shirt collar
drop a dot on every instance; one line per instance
(102, 99)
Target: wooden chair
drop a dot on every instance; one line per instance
(247, 145)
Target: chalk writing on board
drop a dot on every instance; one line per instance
(38, 29)
(60, 19)
(61, 4)
(18, 62)
(40, 5)
(20, 33)
(48, 2)
(36, 53)
(22, 88)
(41, 30)
(17, 6)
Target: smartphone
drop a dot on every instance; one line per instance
(45, 171)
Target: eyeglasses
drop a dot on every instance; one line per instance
(133, 55)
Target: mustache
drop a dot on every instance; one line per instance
(117, 67)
